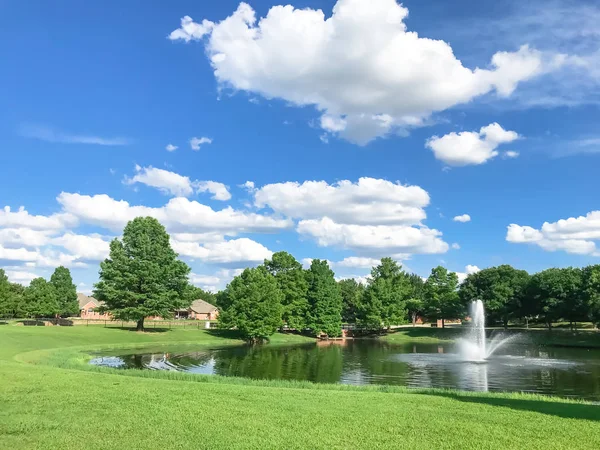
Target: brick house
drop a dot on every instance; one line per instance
(88, 308)
(198, 310)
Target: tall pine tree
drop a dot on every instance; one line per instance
(66, 291)
(251, 303)
(325, 300)
(142, 276)
(292, 282)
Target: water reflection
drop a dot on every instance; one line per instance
(565, 372)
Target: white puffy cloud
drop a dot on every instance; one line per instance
(390, 240)
(204, 280)
(471, 147)
(575, 235)
(361, 68)
(241, 250)
(86, 247)
(456, 246)
(25, 237)
(462, 218)
(179, 215)
(17, 254)
(219, 190)
(368, 201)
(190, 30)
(469, 269)
(511, 154)
(360, 262)
(171, 148)
(20, 276)
(22, 219)
(195, 142)
(164, 180)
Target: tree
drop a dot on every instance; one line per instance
(384, 301)
(292, 282)
(41, 299)
(142, 276)
(591, 292)
(352, 293)
(253, 304)
(66, 291)
(325, 300)
(501, 289)
(554, 292)
(6, 300)
(192, 293)
(415, 303)
(441, 296)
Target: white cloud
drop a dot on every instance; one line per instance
(20, 276)
(48, 134)
(86, 247)
(22, 219)
(471, 147)
(203, 280)
(358, 262)
(469, 269)
(25, 237)
(462, 218)
(241, 250)
(171, 148)
(190, 30)
(195, 142)
(219, 190)
(511, 154)
(368, 201)
(362, 279)
(360, 67)
(179, 215)
(456, 246)
(165, 181)
(573, 235)
(390, 240)
(17, 254)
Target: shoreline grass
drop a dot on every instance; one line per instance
(51, 398)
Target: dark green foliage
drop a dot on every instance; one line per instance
(325, 300)
(591, 292)
(6, 296)
(352, 293)
(501, 289)
(142, 277)
(252, 304)
(441, 296)
(66, 291)
(41, 299)
(415, 304)
(384, 300)
(293, 285)
(557, 293)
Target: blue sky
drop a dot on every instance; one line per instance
(490, 111)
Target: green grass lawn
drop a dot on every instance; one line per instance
(49, 398)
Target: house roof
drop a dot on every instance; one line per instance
(84, 300)
(201, 307)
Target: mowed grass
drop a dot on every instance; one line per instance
(43, 405)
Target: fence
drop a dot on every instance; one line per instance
(148, 324)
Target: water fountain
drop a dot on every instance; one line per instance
(474, 347)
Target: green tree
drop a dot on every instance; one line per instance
(41, 299)
(501, 289)
(252, 304)
(352, 293)
(325, 300)
(66, 291)
(384, 300)
(591, 292)
(142, 276)
(415, 303)
(293, 285)
(554, 292)
(6, 300)
(192, 293)
(441, 296)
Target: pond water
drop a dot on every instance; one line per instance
(567, 372)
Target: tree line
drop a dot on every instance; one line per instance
(54, 298)
(143, 277)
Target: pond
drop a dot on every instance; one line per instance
(567, 372)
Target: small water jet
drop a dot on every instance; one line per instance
(474, 346)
